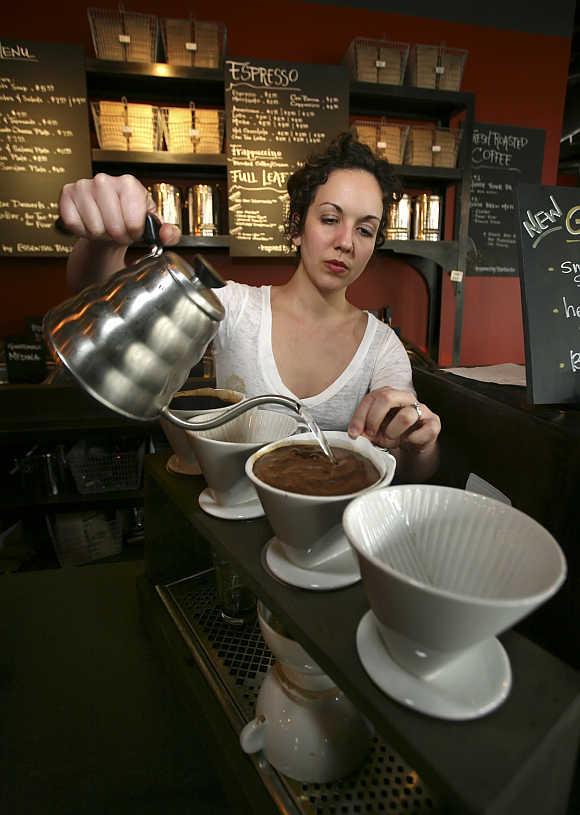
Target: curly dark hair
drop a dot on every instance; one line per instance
(345, 152)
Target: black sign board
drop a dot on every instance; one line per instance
(44, 142)
(277, 114)
(25, 359)
(549, 226)
(502, 157)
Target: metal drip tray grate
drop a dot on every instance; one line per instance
(237, 660)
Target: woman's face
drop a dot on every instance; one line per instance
(340, 229)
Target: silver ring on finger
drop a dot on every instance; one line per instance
(419, 410)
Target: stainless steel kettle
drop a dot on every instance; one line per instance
(132, 342)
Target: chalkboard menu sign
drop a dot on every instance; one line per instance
(549, 232)
(44, 142)
(277, 114)
(502, 157)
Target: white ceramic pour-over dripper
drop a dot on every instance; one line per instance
(305, 726)
(184, 405)
(222, 451)
(309, 527)
(483, 567)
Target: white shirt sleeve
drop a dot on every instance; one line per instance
(392, 368)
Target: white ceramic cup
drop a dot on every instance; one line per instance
(445, 569)
(309, 527)
(222, 451)
(185, 461)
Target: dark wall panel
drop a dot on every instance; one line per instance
(556, 18)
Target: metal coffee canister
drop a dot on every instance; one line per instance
(202, 210)
(399, 219)
(167, 199)
(427, 217)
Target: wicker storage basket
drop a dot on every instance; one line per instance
(193, 130)
(194, 43)
(127, 36)
(386, 139)
(432, 147)
(127, 126)
(377, 61)
(435, 66)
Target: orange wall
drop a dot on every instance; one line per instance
(518, 79)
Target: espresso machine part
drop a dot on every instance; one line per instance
(202, 210)
(167, 199)
(427, 217)
(131, 342)
(399, 219)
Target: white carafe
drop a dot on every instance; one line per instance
(305, 726)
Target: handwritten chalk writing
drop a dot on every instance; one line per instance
(570, 310)
(16, 52)
(571, 267)
(539, 221)
(575, 361)
(275, 113)
(270, 77)
(44, 136)
(503, 141)
(24, 356)
(573, 220)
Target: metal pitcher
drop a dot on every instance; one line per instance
(132, 342)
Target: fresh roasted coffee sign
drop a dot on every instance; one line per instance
(502, 157)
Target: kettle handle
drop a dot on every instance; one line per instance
(151, 229)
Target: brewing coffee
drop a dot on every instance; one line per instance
(304, 469)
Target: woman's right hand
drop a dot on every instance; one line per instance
(110, 209)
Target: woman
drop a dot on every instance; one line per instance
(304, 338)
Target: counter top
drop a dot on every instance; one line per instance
(517, 759)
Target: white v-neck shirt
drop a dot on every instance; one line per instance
(244, 358)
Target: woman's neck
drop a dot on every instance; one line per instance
(301, 292)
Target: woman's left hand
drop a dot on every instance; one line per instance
(394, 419)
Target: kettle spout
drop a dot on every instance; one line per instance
(232, 412)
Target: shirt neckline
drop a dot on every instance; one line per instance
(270, 369)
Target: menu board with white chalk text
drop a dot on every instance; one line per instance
(44, 142)
(277, 114)
(549, 237)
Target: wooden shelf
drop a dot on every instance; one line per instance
(372, 99)
(159, 157)
(142, 80)
(443, 253)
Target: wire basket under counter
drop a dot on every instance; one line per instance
(122, 125)
(125, 36)
(387, 139)
(98, 468)
(193, 130)
(377, 61)
(193, 43)
(436, 66)
(432, 147)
